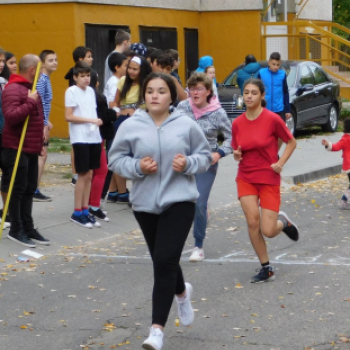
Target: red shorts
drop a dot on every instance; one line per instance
(269, 195)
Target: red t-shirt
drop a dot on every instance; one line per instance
(259, 144)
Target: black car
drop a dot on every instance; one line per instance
(313, 95)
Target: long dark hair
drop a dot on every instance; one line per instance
(258, 83)
(100, 98)
(145, 70)
(6, 71)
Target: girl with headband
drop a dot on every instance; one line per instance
(128, 98)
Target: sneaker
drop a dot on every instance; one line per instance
(81, 220)
(74, 181)
(123, 198)
(39, 197)
(184, 308)
(112, 198)
(197, 255)
(266, 274)
(21, 238)
(91, 218)
(292, 229)
(99, 214)
(154, 340)
(37, 237)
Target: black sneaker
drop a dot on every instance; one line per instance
(36, 236)
(123, 198)
(266, 274)
(292, 229)
(111, 198)
(74, 181)
(39, 197)
(21, 238)
(92, 219)
(98, 214)
(81, 220)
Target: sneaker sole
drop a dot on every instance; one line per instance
(20, 242)
(123, 203)
(40, 242)
(41, 200)
(148, 347)
(195, 259)
(111, 201)
(78, 223)
(293, 223)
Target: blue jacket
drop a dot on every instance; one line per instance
(277, 95)
(251, 70)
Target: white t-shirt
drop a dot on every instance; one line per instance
(84, 105)
(110, 89)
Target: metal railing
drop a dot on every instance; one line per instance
(323, 42)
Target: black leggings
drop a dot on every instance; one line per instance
(165, 235)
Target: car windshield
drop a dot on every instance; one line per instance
(291, 74)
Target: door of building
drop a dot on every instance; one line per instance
(191, 51)
(100, 39)
(158, 37)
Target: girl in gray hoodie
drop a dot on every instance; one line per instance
(161, 152)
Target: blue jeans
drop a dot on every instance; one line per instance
(204, 184)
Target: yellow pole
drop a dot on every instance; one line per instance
(20, 146)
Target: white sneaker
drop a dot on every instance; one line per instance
(197, 255)
(184, 308)
(154, 340)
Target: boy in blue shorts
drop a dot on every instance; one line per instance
(80, 112)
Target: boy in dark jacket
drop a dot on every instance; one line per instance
(18, 102)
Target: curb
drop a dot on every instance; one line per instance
(313, 175)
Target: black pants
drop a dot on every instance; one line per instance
(26, 181)
(165, 235)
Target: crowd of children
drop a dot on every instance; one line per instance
(147, 127)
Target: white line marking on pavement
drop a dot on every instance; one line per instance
(330, 262)
(187, 251)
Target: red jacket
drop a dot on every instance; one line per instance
(16, 106)
(344, 145)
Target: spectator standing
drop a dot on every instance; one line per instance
(80, 112)
(148, 150)
(127, 100)
(49, 65)
(175, 56)
(18, 102)
(84, 54)
(210, 73)
(122, 43)
(250, 70)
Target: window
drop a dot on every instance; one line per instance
(232, 79)
(320, 77)
(306, 76)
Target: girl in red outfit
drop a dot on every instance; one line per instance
(344, 145)
(255, 136)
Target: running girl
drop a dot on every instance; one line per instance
(255, 136)
(211, 117)
(162, 150)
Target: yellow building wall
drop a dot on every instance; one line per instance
(32, 28)
(226, 36)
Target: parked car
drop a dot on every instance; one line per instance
(313, 95)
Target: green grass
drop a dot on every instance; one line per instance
(59, 145)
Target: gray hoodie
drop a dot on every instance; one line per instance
(139, 137)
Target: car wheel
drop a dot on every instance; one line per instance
(292, 123)
(332, 122)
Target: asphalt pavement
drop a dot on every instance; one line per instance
(92, 287)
